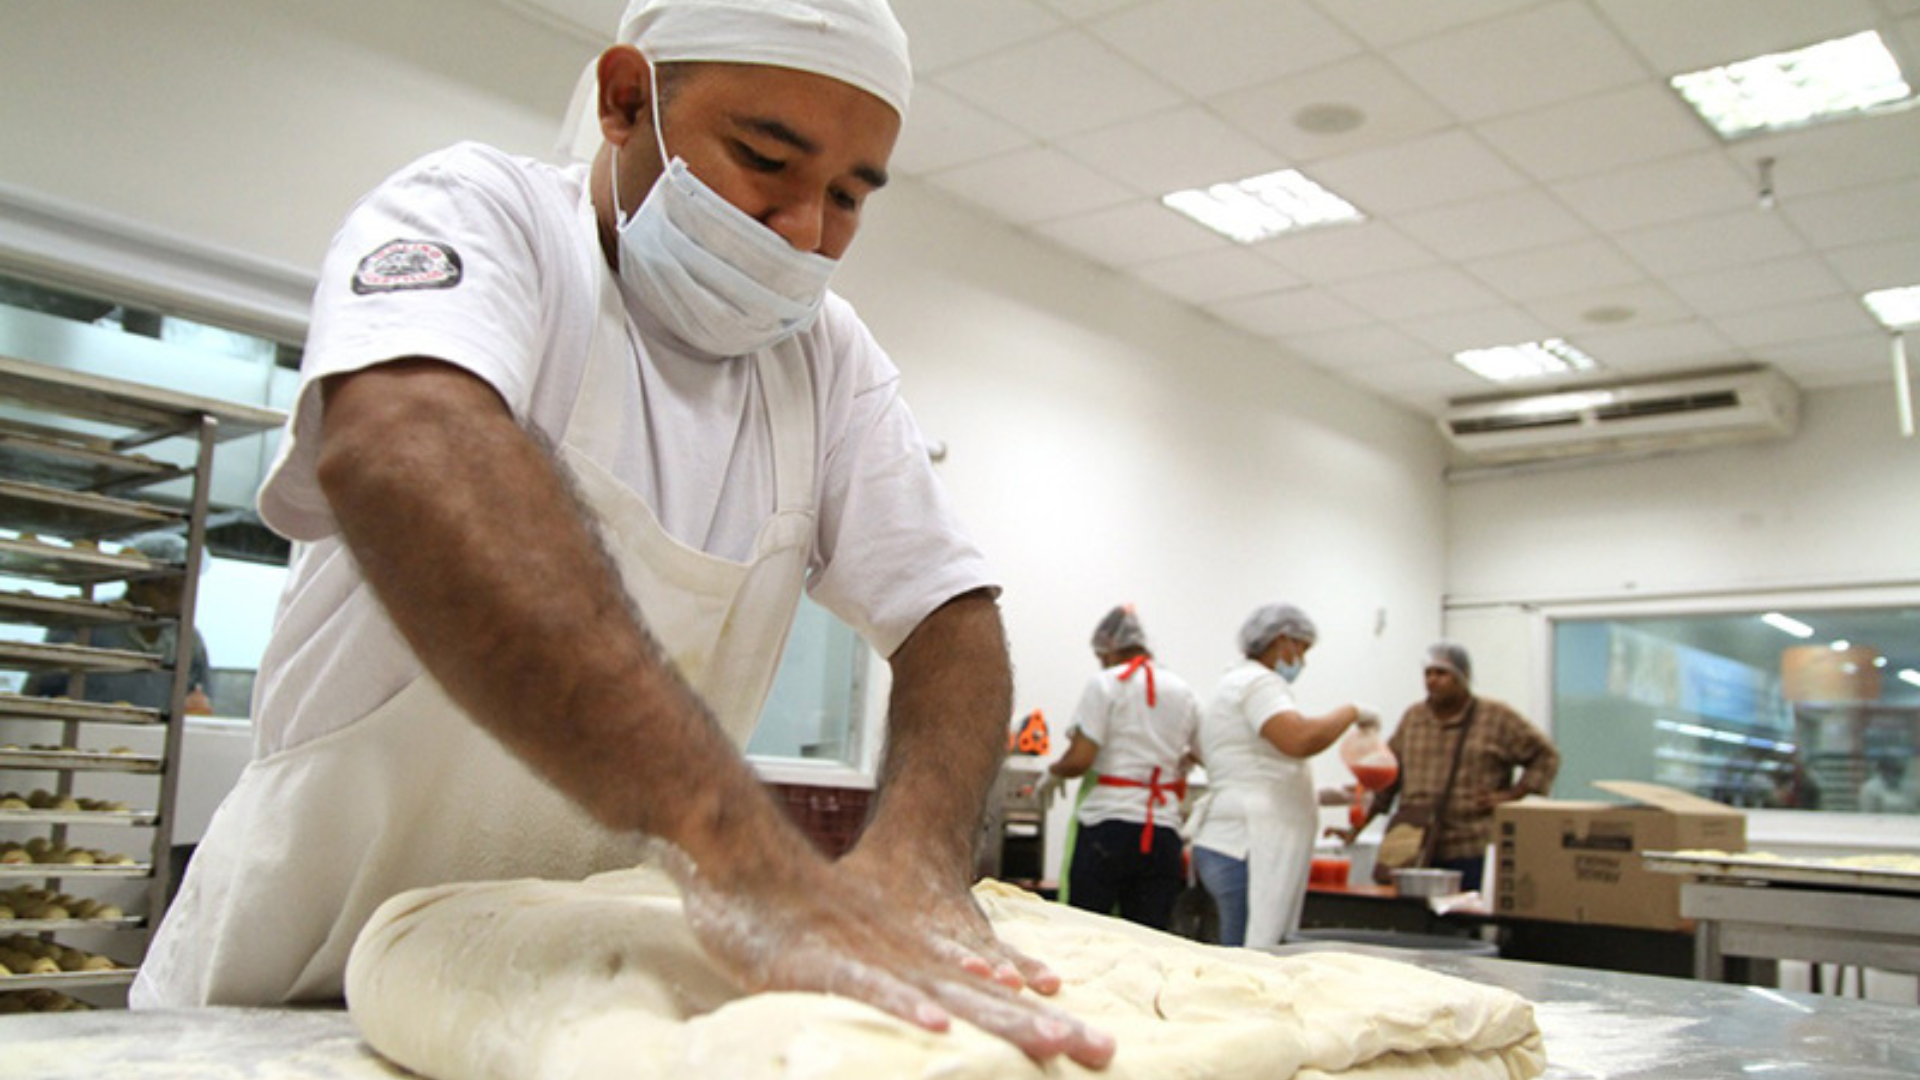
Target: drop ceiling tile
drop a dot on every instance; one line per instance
(1361, 347)
(1390, 22)
(1547, 54)
(942, 131)
(1762, 328)
(1060, 85)
(1757, 285)
(1695, 34)
(1134, 232)
(1513, 221)
(1031, 185)
(1837, 156)
(1296, 311)
(1691, 343)
(1598, 133)
(1601, 310)
(1415, 294)
(1747, 235)
(1083, 10)
(1415, 174)
(1858, 216)
(1221, 274)
(1344, 252)
(1847, 360)
(1184, 148)
(1278, 113)
(1563, 269)
(1425, 386)
(1254, 40)
(1663, 191)
(1885, 265)
(941, 34)
(1504, 324)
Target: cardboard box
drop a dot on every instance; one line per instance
(1580, 861)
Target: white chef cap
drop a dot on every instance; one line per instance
(858, 42)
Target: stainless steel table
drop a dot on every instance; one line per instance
(1599, 1025)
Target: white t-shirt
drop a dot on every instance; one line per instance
(1135, 739)
(497, 272)
(1243, 768)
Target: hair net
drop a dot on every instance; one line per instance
(1271, 621)
(1446, 654)
(1120, 629)
(858, 42)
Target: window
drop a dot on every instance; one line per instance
(1816, 711)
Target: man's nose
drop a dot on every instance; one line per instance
(801, 222)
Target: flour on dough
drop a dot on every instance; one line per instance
(602, 980)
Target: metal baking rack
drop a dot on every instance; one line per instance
(75, 483)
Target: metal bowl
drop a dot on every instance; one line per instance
(1427, 882)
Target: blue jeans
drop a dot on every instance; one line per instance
(1226, 881)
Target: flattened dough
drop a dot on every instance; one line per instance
(602, 980)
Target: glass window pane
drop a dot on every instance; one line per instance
(1818, 711)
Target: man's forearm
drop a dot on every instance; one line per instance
(468, 533)
(947, 719)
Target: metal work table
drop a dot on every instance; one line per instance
(1599, 1025)
(1786, 910)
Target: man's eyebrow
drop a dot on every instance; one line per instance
(873, 175)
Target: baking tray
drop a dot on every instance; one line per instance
(70, 612)
(38, 870)
(26, 558)
(1781, 871)
(78, 817)
(33, 656)
(36, 926)
(22, 707)
(34, 508)
(79, 761)
(60, 461)
(68, 980)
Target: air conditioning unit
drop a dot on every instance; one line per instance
(1606, 419)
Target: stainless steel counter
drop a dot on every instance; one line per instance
(1598, 1025)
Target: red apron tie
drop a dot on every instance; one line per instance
(1157, 792)
(1136, 664)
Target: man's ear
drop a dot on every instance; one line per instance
(622, 98)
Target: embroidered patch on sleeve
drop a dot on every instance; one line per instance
(407, 264)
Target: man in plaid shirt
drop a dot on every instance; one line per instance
(1499, 741)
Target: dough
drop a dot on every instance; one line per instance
(602, 980)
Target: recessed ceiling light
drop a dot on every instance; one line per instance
(1897, 309)
(1789, 89)
(1263, 206)
(1535, 359)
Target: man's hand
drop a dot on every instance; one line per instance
(868, 932)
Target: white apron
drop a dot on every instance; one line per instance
(313, 838)
(1281, 820)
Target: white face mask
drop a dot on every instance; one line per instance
(719, 280)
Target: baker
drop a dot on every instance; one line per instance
(568, 445)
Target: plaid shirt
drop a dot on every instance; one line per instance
(1499, 742)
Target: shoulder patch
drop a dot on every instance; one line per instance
(407, 264)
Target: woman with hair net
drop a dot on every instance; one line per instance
(1253, 836)
(1135, 728)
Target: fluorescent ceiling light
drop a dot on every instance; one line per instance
(1787, 624)
(1789, 89)
(1505, 363)
(1908, 675)
(1264, 206)
(1895, 308)
(1840, 645)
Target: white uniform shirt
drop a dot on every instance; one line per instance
(506, 287)
(1239, 760)
(1134, 739)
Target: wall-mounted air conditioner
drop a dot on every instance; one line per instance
(1645, 416)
